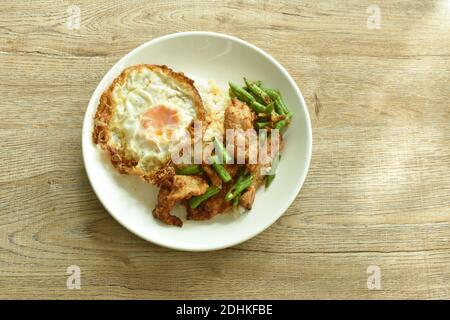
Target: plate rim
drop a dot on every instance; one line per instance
(284, 207)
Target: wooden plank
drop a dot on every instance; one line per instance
(377, 192)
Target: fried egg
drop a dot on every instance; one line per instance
(144, 115)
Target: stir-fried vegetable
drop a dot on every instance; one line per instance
(238, 187)
(220, 169)
(189, 170)
(194, 202)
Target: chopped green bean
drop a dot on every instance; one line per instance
(220, 169)
(240, 177)
(241, 94)
(231, 93)
(257, 107)
(270, 107)
(269, 180)
(221, 151)
(280, 106)
(236, 201)
(271, 176)
(262, 124)
(189, 170)
(280, 124)
(194, 202)
(238, 187)
(258, 92)
(288, 116)
(247, 84)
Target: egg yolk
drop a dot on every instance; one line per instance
(159, 118)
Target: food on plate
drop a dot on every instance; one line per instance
(143, 115)
(151, 115)
(177, 188)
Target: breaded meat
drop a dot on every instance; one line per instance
(211, 207)
(238, 115)
(176, 189)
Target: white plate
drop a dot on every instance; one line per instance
(221, 58)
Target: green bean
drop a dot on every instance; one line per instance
(236, 201)
(194, 202)
(288, 117)
(257, 107)
(247, 84)
(245, 96)
(238, 187)
(221, 171)
(264, 117)
(284, 107)
(241, 94)
(280, 124)
(269, 180)
(280, 106)
(273, 94)
(222, 151)
(262, 124)
(270, 177)
(189, 170)
(240, 177)
(257, 82)
(231, 93)
(258, 92)
(247, 88)
(270, 107)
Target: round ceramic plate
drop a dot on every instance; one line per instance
(222, 58)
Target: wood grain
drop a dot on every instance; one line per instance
(377, 193)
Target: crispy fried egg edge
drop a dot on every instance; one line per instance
(101, 134)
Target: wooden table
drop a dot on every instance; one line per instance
(377, 192)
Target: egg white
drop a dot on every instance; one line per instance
(144, 89)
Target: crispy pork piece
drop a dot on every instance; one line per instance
(211, 207)
(259, 171)
(232, 169)
(248, 197)
(164, 174)
(184, 187)
(164, 206)
(175, 189)
(238, 115)
(212, 175)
